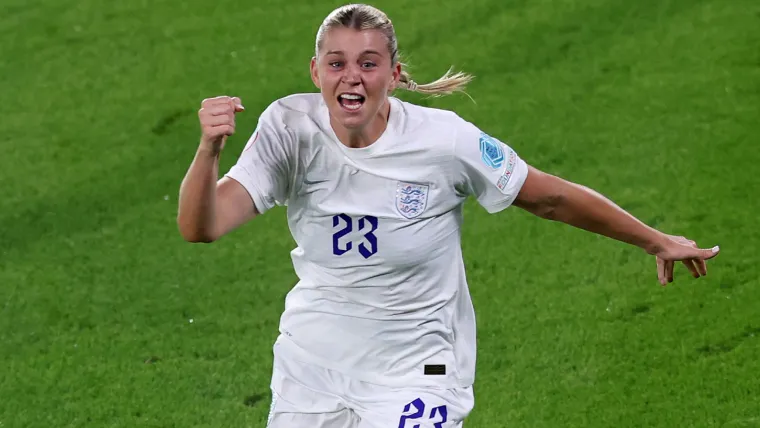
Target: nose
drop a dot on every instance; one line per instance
(351, 75)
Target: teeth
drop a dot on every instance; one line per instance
(351, 97)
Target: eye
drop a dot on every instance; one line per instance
(334, 64)
(368, 64)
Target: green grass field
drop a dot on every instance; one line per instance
(109, 319)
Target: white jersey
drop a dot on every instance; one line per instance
(382, 295)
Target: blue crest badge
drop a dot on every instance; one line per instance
(411, 199)
(491, 152)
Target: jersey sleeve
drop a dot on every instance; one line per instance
(488, 169)
(264, 165)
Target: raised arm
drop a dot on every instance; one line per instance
(208, 207)
(553, 198)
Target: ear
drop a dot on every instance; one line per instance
(314, 72)
(395, 76)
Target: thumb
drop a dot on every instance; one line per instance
(238, 104)
(709, 253)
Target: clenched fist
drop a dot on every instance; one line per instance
(217, 117)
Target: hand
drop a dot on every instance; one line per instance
(678, 248)
(217, 117)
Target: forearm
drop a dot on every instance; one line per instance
(197, 197)
(586, 209)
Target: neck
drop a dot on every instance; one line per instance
(366, 135)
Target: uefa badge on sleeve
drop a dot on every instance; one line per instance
(490, 151)
(504, 179)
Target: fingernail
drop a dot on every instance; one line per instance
(715, 249)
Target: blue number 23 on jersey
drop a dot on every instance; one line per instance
(344, 224)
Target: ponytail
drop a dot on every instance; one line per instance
(445, 85)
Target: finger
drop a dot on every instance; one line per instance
(238, 104)
(661, 271)
(701, 266)
(234, 105)
(229, 130)
(669, 271)
(219, 110)
(218, 120)
(689, 263)
(220, 130)
(708, 254)
(222, 99)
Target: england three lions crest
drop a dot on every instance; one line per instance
(411, 199)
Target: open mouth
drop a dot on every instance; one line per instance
(351, 102)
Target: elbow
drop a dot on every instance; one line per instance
(198, 239)
(549, 208)
(192, 234)
(543, 195)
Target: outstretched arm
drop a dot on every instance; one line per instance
(553, 198)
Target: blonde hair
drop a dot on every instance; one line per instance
(364, 17)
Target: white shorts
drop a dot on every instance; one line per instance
(309, 396)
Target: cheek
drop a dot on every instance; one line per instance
(328, 79)
(380, 84)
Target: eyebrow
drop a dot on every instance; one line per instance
(366, 52)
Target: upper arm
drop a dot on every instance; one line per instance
(260, 179)
(488, 169)
(540, 193)
(234, 206)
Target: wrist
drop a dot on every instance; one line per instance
(656, 243)
(209, 149)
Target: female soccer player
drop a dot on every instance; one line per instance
(380, 329)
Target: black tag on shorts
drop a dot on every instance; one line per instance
(435, 369)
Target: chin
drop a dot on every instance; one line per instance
(353, 122)
(349, 120)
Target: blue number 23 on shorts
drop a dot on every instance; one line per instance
(438, 415)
